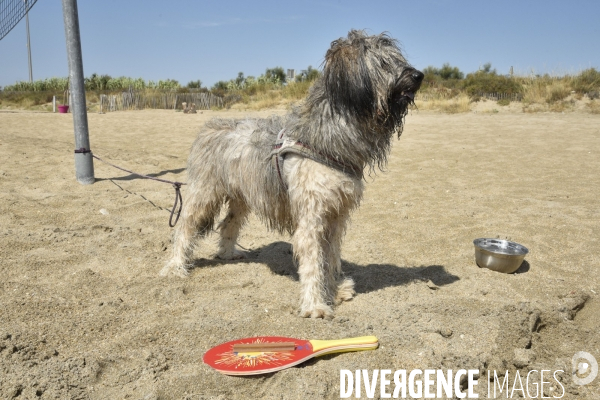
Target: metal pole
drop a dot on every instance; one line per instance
(28, 43)
(84, 165)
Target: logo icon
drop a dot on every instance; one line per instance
(585, 368)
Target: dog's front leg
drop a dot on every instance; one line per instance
(336, 229)
(315, 281)
(312, 204)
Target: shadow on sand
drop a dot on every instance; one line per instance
(368, 278)
(131, 177)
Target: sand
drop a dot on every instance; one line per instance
(84, 314)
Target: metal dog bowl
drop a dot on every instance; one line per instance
(499, 255)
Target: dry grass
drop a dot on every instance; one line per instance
(296, 91)
(454, 105)
(534, 108)
(557, 92)
(264, 100)
(594, 106)
(263, 97)
(534, 93)
(549, 94)
(561, 106)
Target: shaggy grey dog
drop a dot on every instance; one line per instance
(302, 173)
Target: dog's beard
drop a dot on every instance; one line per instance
(401, 99)
(390, 121)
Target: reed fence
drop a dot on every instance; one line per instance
(501, 96)
(131, 100)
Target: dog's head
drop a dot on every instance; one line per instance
(367, 77)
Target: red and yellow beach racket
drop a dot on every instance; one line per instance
(265, 354)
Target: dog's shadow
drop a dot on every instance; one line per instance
(368, 278)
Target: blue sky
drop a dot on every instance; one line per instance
(214, 40)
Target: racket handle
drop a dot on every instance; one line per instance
(349, 344)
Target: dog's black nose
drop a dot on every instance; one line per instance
(417, 76)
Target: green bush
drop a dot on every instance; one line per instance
(97, 82)
(445, 73)
(447, 76)
(197, 84)
(308, 75)
(41, 85)
(93, 82)
(276, 75)
(488, 81)
(587, 81)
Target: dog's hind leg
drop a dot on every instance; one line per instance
(230, 228)
(197, 219)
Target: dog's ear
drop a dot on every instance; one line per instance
(348, 84)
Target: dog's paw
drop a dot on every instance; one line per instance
(345, 291)
(323, 311)
(234, 254)
(173, 269)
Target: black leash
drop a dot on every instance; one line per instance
(175, 184)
